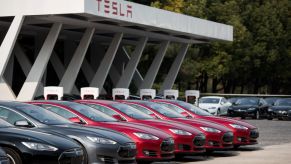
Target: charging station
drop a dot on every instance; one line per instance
(120, 93)
(53, 93)
(192, 96)
(171, 94)
(147, 94)
(89, 93)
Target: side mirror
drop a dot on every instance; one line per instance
(186, 115)
(22, 123)
(76, 120)
(118, 117)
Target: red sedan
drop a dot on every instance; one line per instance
(152, 143)
(188, 140)
(218, 137)
(244, 133)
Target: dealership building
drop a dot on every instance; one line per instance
(81, 43)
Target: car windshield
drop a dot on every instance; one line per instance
(205, 100)
(283, 102)
(247, 101)
(193, 108)
(271, 101)
(89, 112)
(4, 124)
(131, 111)
(163, 110)
(42, 115)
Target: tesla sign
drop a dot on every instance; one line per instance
(112, 7)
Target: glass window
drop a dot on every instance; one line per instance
(168, 112)
(60, 111)
(130, 111)
(141, 108)
(193, 108)
(173, 107)
(11, 116)
(4, 124)
(209, 100)
(283, 102)
(247, 101)
(103, 109)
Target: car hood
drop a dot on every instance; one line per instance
(281, 108)
(166, 125)
(39, 136)
(225, 120)
(243, 107)
(203, 123)
(82, 131)
(137, 127)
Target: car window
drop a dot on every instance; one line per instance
(103, 109)
(164, 110)
(247, 101)
(60, 111)
(173, 107)
(193, 108)
(209, 100)
(223, 101)
(11, 116)
(141, 108)
(130, 111)
(4, 124)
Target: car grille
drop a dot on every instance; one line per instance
(254, 134)
(227, 137)
(150, 153)
(184, 147)
(74, 156)
(199, 140)
(4, 160)
(168, 145)
(127, 151)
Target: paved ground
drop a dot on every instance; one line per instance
(274, 147)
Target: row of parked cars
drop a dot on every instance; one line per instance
(254, 107)
(122, 131)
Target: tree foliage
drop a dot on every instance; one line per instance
(257, 61)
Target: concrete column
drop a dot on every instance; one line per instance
(8, 74)
(104, 67)
(155, 66)
(73, 69)
(5, 51)
(174, 70)
(69, 48)
(33, 79)
(126, 77)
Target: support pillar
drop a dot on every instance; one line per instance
(104, 67)
(155, 66)
(73, 69)
(174, 70)
(33, 79)
(5, 51)
(126, 77)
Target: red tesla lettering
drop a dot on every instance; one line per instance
(114, 7)
(99, 4)
(120, 10)
(107, 6)
(129, 11)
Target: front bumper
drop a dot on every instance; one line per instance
(190, 144)
(73, 156)
(280, 114)
(246, 137)
(156, 150)
(219, 141)
(241, 113)
(101, 153)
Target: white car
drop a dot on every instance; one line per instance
(214, 104)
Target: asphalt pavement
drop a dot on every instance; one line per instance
(274, 148)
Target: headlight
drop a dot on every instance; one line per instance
(101, 140)
(270, 110)
(180, 132)
(236, 126)
(213, 130)
(212, 108)
(252, 109)
(146, 136)
(39, 146)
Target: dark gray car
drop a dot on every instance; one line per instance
(101, 145)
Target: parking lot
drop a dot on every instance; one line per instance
(274, 147)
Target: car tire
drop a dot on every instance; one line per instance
(218, 112)
(85, 161)
(13, 156)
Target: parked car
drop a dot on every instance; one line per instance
(214, 104)
(281, 109)
(271, 100)
(100, 145)
(249, 107)
(233, 99)
(217, 137)
(152, 143)
(33, 146)
(244, 133)
(3, 156)
(188, 140)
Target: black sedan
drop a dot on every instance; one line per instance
(281, 109)
(249, 107)
(100, 145)
(3, 156)
(33, 146)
